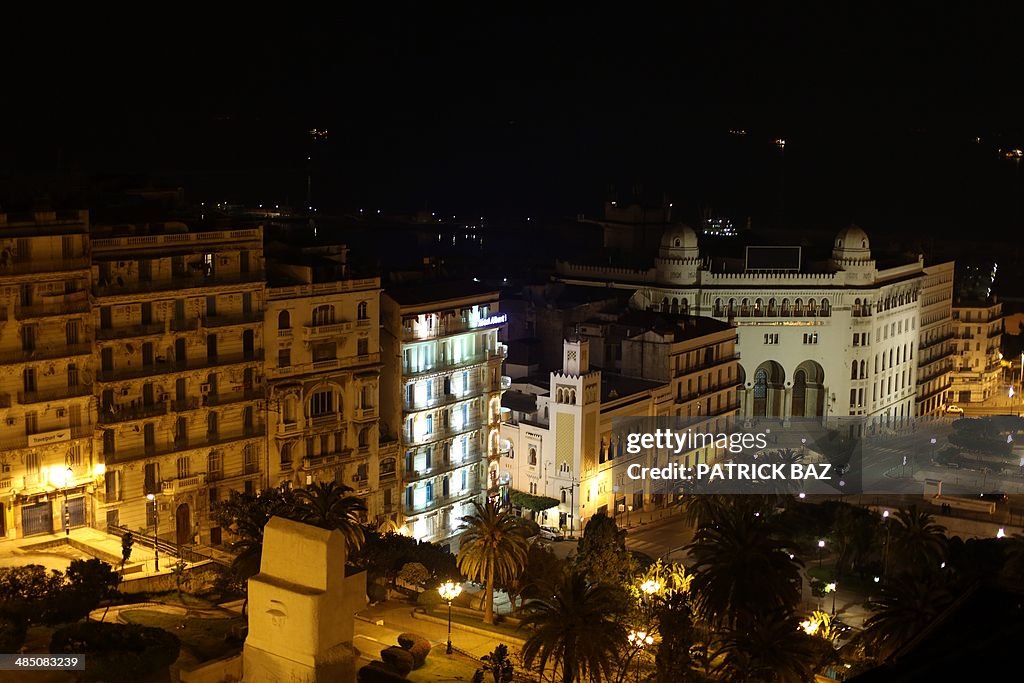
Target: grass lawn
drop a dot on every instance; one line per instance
(184, 600)
(441, 612)
(853, 583)
(442, 667)
(205, 638)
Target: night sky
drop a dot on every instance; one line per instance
(515, 114)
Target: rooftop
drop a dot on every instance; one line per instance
(438, 292)
(683, 327)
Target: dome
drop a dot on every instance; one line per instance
(852, 244)
(678, 241)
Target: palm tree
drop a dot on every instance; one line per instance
(245, 516)
(906, 606)
(493, 549)
(741, 566)
(328, 506)
(578, 629)
(769, 648)
(918, 544)
(702, 509)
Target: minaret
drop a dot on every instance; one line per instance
(574, 416)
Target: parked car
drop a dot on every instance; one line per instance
(994, 496)
(550, 534)
(955, 410)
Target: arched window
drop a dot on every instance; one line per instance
(675, 304)
(286, 455)
(785, 307)
(812, 307)
(718, 306)
(684, 307)
(533, 456)
(664, 304)
(361, 311)
(853, 370)
(863, 370)
(211, 423)
(760, 384)
(284, 320)
(323, 315)
(675, 243)
(825, 307)
(564, 494)
(798, 307)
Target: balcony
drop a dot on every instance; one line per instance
(330, 421)
(53, 309)
(317, 332)
(140, 330)
(127, 412)
(452, 327)
(440, 432)
(324, 365)
(447, 365)
(314, 462)
(706, 365)
(472, 489)
(48, 395)
(225, 398)
(365, 414)
(288, 428)
(707, 391)
(440, 468)
(167, 368)
(938, 340)
(178, 282)
(33, 266)
(169, 446)
(212, 321)
(182, 484)
(44, 353)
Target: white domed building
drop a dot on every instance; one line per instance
(838, 337)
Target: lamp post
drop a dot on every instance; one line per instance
(831, 588)
(821, 546)
(650, 588)
(572, 508)
(67, 511)
(156, 530)
(449, 590)
(639, 639)
(885, 555)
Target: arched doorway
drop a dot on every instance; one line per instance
(769, 379)
(808, 390)
(183, 524)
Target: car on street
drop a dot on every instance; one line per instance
(954, 410)
(550, 534)
(994, 496)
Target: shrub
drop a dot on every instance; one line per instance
(378, 672)
(414, 573)
(12, 634)
(376, 592)
(417, 646)
(429, 599)
(398, 659)
(117, 652)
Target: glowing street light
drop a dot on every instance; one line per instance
(821, 546)
(449, 590)
(650, 587)
(639, 639)
(831, 588)
(156, 530)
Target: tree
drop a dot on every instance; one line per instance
(673, 662)
(541, 564)
(577, 630)
(492, 550)
(498, 664)
(414, 574)
(180, 577)
(28, 592)
(127, 543)
(88, 583)
(766, 648)
(742, 567)
(601, 553)
(907, 605)
(918, 544)
(245, 516)
(328, 505)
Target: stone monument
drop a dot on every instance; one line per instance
(300, 613)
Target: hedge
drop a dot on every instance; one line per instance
(117, 652)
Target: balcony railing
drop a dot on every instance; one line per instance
(449, 364)
(362, 414)
(446, 329)
(439, 468)
(224, 398)
(42, 266)
(179, 281)
(472, 489)
(323, 365)
(217, 321)
(707, 365)
(53, 309)
(311, 332)
(119, 412)
(56, 394)
(140, 330)
(122, 453)
(441, 432)
(44, 353)
(182, 484)
(166, 368)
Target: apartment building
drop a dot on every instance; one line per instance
(46, 413)
(324, 374)
(442, 390)
(977, 335)
(178, 315)
(935, 346)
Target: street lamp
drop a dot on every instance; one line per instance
(449, 590)
(639, 639)
(885, 556)
(69, 475)
(821, 546)
(156, 530)
(572, 508)
(831, 588)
